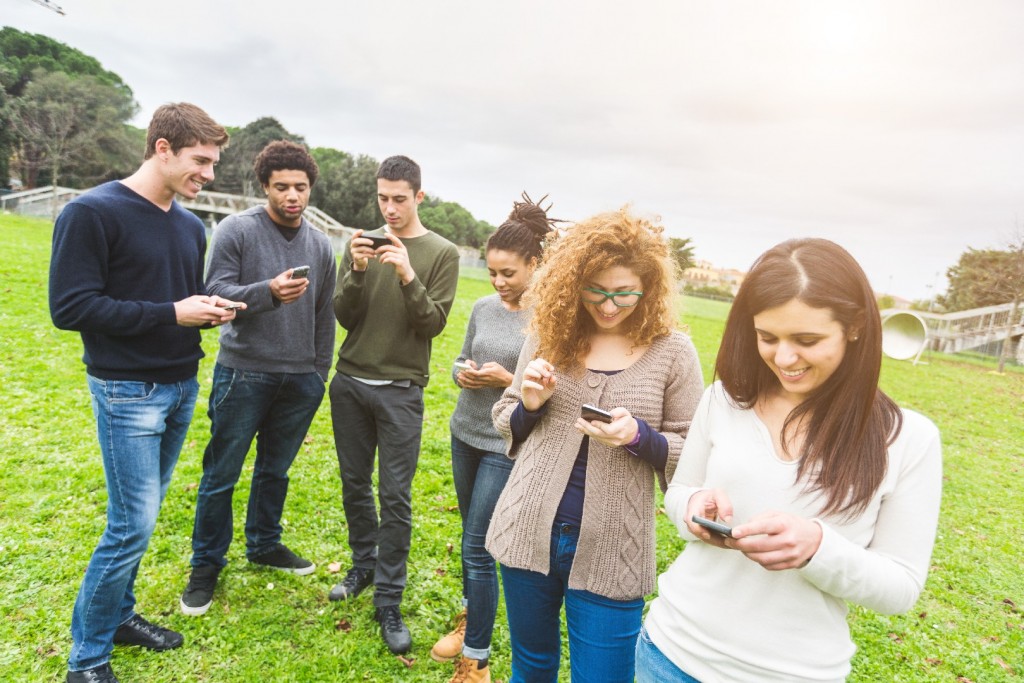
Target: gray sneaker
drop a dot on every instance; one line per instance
(285, 560)
(198, 595)
(355, 582)
(393, 629)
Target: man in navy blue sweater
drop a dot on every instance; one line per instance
(126, 272)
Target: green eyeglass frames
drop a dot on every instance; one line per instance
(597, 297)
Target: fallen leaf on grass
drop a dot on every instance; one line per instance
(963, 679)
(440, 571)
(334, 567)
(191, 486)
(895, 637)
(343, 625)
(49, 652)
(449, 547)
(1011, 603)
(408, 662)
(308, 439)
(934, 661)
(1006, 667)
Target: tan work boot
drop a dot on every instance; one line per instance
(471, 671)
(450, 646)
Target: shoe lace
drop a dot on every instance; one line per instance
(391, 618)
(149, 629)
(462, 671)
(353, 578)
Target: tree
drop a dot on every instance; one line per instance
(234, 172)
(989, 277)
(681, 250)
(453, 222)
(347, 188)
(24, 56)
(69, 125)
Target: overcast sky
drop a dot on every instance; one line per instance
(895, 128)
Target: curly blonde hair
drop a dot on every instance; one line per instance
(616, 238)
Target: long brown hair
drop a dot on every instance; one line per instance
(615, 238)
(850, 421)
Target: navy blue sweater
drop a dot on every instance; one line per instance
(118, 264)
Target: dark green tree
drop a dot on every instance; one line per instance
(347, 188)
(234, 172)
(71, 127)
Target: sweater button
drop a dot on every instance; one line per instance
(594, 382)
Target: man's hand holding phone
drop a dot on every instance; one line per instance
(286, 287)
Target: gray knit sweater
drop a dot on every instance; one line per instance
(248, 252)
(495, 334)
(615, 553)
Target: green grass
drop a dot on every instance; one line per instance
(269, 627)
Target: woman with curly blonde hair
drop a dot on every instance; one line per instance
(574, 525)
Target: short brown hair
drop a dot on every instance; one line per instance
(183, 124)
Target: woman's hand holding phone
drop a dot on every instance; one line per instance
(538, 383)
(620, 431)
(712, 504)
(490, 374)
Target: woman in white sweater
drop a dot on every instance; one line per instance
(830, 489)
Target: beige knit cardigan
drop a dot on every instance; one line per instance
(615, 553)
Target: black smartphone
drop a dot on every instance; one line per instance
(714, 527)
(300, 272)
(378, 241)
(589, 412)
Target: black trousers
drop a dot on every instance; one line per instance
(387, 419)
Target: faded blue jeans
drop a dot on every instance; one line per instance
(274, 408)
(602, 632)
(141, 427)
(479, 478)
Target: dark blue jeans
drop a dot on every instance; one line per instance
(479, 477)
(602, 632)
(141, 427)
(274, 408)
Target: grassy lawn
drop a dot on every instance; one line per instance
(266, 626)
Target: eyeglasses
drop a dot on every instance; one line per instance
(595, 296)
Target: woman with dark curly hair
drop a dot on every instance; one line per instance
(483, 369)
(831, 490)
(575, 522)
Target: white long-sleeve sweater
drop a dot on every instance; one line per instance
(722, 617)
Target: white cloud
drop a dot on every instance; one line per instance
(893, 128)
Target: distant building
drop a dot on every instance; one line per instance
(705, 274)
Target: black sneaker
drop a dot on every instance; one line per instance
(138, 631)
(285, 560)
(98, 674)
(393, 629)
(198, 595)
(354, 583)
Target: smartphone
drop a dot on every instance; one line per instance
(300, 272)
(463, 365)
(233, 307)
(589, 412)
(378, 241)
(714, 527)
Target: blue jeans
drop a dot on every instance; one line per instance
(274, 408)
(652, 666)
(602, 631)
(479, 477)
(141, 427)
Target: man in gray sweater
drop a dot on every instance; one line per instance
(271, 371)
